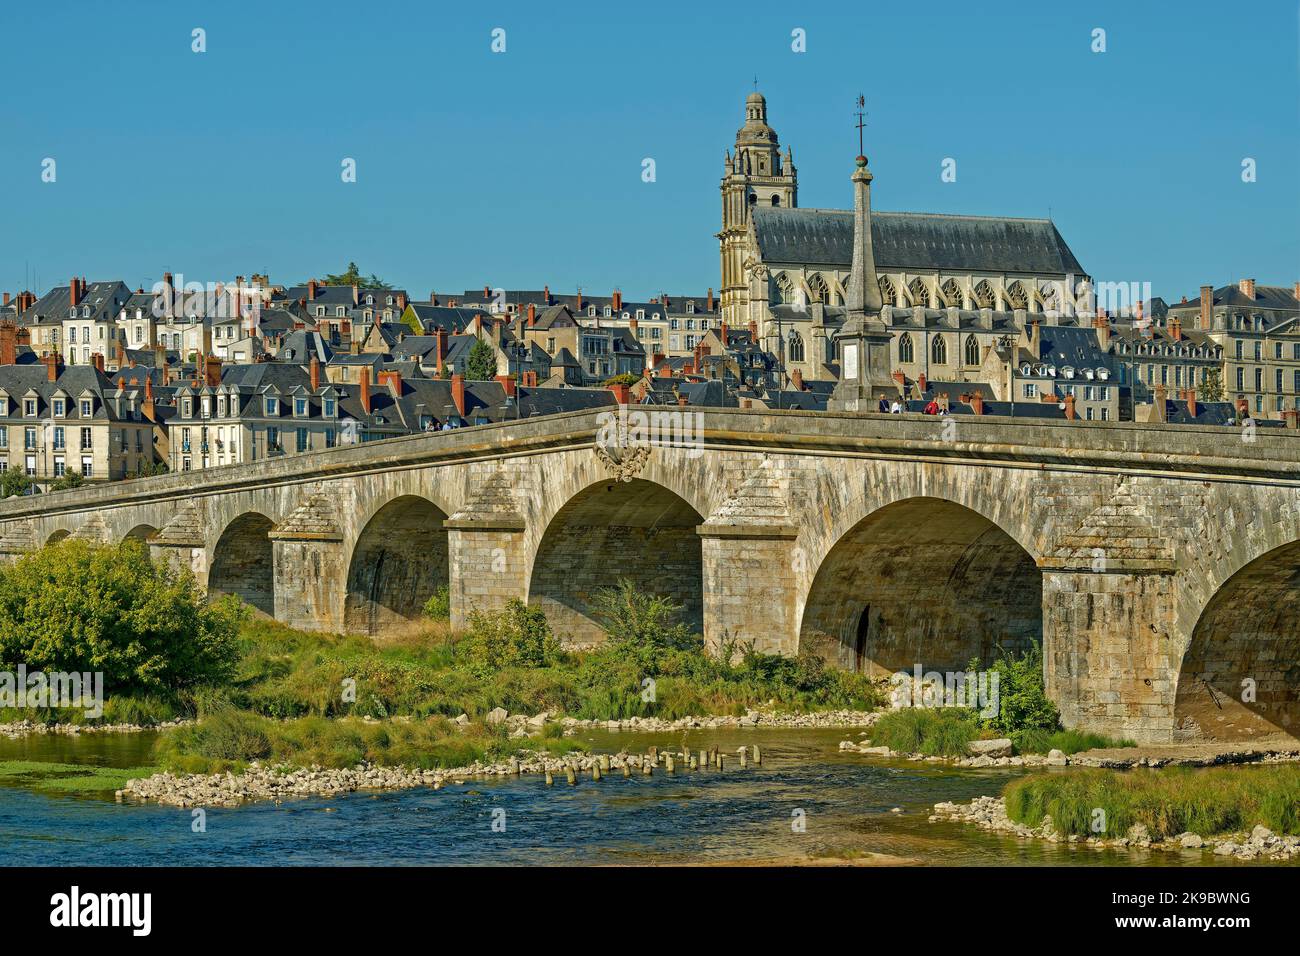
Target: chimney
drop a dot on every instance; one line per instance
(797, 377)
(1207, 303)
(753, 331)
(977, 403)
(921, 383)
(1247, 287)
(8, 344)
(708, 303)
(1160, 409)
(311, 290)
(6, 301)
(313, 367)
(487, 293)
(1035, 339)
(440, 346)
(401, 301)
(579, 306)
(507, 383)
(52, 367)
(901, 379)
(696, 364)
(148, 390)
(121, 354)
(391, 379)
(74, 291)
(212, 370)
(546, 295)
(722, 331)
(532, 314)
(665, 370)
(1191, 403)
(634, 327)
(98, 361)
(458, 393)
(1176, 329)
(622, 393)
(1295, 291)
(364, 380)
(1102, 326)
(618, 301)
(1069, 408)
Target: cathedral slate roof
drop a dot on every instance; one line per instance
(915, 241)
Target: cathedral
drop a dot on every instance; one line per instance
(951, 286)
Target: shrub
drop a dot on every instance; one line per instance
(642, 628)
(76, 606)
(1023, 700)
(514, 636)
(438, 607)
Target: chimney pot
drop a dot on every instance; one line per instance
(363, 379)
(1247, 287)
(458, 393)
(313, 368)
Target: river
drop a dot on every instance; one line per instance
(846, 803)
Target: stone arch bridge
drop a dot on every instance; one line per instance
(1159, 566)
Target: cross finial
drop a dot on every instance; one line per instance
(862, 103)
(755, 82)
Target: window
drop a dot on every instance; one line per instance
(1030, 390)
(59, 408)
(187, 407)
(87, 467)
(939, 351)
(58, 437)
(29, 408)
(1241, 379)
(300, 407)
(972, 350)
(87, 440)
(905, 348)
(1240, 345)
(330, 407)
(87, 408)
(59, 468)
(1279, 380)
(302, 439)
(796, 347)
(29, 438)
(272, 406)
(330, 438)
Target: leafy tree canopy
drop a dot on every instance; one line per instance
(481, 365)
(353, 276)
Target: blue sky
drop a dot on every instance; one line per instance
(524, 167)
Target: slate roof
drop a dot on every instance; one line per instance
(1272, 297)
(916, 241)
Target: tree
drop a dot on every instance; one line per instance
(14, 482)
(70, 479)
(354, 277)
(481, 365)
(1212, 387)
(76, 606)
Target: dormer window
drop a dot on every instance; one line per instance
(87, 407)
(390, 300)
(272, 406)
(320, 311)
(60, 408)
(370, 300)
(640, 315)
(85, 312)
(221, 406)
(300, 407)
(340, 312)
(207, 406)
(330, 408)
(187, 407)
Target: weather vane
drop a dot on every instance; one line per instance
(862, 102)
(755, 82)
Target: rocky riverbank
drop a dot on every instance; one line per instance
(828, 719)
(1000, 753)
(990, 813)
(278, 783)
(27, 728)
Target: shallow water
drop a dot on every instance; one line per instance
(846, 802)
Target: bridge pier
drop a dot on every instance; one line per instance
(310, 568)
(1110, 663)
(749, 586)
(486, 565)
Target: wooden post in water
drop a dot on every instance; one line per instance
(570, 775)
(704, 759)
(721, 762)
(550, 781)
(514, 766)
(744, 752)
(604, 763)
(758, 757)
(627, 768)
(694, 764)
(595, 772)
(668, 762)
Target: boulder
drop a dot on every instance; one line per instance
(497, 715)
(1001, 747)
(1191, 841)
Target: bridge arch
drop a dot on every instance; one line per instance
(922, 580)
(1245, 643)
(56, 536)
(399, 561)
(639, 530)
(243, 562)
(141, 532)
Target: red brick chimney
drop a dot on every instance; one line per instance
(8, 344)
(363, 379)
(148, 390)
(753, 331)
(440, 346)
(1176, 329)
(6, 299)
(921, 383)
(901, 379)
(1295, 291)
(1191, 403)
(977, 403)
(546, 295)
(1247, 287)
(487, 293)
(622, 393)
(311, 290)
(52, 362)
(212, 370)
(1069, 408)
(401, 301)
(797, 378)
(618, 301)
(507, 383)
(532, 315)
(313, 368)
(708, 307)
(97, 360)
(722, 331)
(391, 379)
(1207, 304)
(74, 291)
(458, 393)
(579, 306)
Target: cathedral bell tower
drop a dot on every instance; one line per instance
(758, 174)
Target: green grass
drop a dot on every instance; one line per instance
(1039, 741)
(1169, 801)
(932, 731)
(72, 778)
(230, 739)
